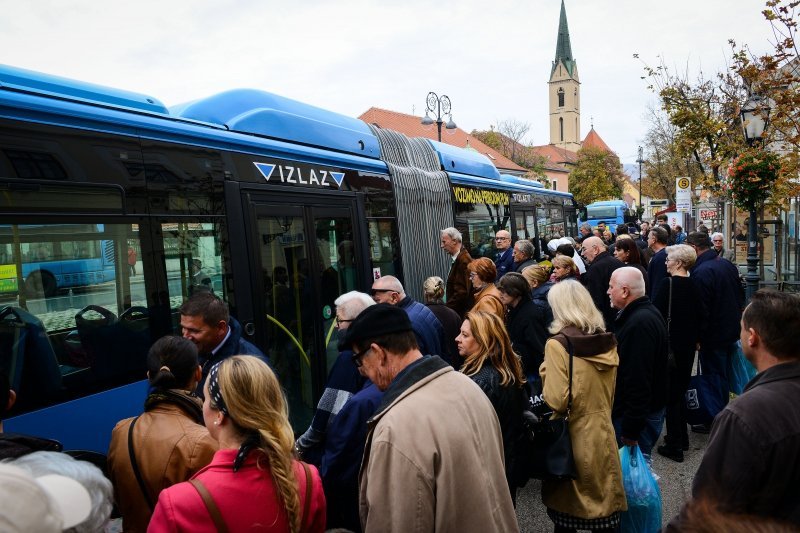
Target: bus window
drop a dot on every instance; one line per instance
(193, 261)
(81, 315)
(479, 215)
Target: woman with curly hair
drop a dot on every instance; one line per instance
(433, 291)
(564, 268)
(491, 362)
(254, 479)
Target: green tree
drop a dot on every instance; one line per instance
(597, 176)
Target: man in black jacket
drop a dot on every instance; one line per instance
(641, 393)
(657, 267)
(598, 274)
(750, 464)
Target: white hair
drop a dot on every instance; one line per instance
(352, 303)
(97, 485)
(391, 283)
(717, 234)
(453, 233)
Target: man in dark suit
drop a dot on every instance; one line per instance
(505, 256)
(657, 268)
(459, 289)
(598, 274)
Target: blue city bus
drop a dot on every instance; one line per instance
(275, 206)
(53, 259)
(612, 212)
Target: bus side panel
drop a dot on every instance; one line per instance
(85, 423)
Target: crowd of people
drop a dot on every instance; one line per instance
(420, 426)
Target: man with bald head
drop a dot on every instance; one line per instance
(640, 398)
(427, 328)
(504, 261)
(598, 274)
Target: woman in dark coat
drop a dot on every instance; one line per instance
(688, 320)
(627, 251)
(433, 290)
(491, 362)
(523, 321)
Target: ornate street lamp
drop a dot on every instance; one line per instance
(755, 115)
(440, 106)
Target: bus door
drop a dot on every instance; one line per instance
(525, 226)
(304, 254)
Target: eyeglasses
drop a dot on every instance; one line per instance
(342, 320)
(473, 274)
(358, 357)
(502, 238)
(373, 292)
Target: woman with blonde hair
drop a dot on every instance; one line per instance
(253, 480)
(482, 273)
(564, 268)
(491, 362)
(578, 380)
(433, 291)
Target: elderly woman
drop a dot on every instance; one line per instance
(523, 255)
(433, 292)
(685, 321)
(490, 361)
(253, 480)
(564, 268)
(595, 498)
(482, 273)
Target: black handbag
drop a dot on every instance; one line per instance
(549, 447)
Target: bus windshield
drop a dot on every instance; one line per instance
(594, 213)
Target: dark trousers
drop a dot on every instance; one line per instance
(560, 529)
(719, 361)
(679, 377)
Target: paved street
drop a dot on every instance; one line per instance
(675, 483)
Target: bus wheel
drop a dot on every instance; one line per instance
(40, 284)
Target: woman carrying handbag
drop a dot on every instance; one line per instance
(682, 308)
(578, 378)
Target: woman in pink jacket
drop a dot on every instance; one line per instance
(253, 483)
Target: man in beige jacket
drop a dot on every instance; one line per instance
(434, 454)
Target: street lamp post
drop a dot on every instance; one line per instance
(754, 121)
(441, 106)
(640, 161)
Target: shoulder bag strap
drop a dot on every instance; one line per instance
(135, 466)
(669, 306)
(571, 356)
(213, 510)
(307, 502)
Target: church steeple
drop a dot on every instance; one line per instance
(565, 103)
(563, 45)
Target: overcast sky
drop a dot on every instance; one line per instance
(492, 58)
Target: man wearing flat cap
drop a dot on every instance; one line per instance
(434, 452)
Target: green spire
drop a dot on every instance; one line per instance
(563, 46)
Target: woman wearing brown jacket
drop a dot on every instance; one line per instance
(482, 272)
(169, 441)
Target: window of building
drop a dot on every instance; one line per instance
(554, 185)
(561, 129)
(561, 98)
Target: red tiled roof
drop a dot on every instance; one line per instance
(411, 126)
(556, 155)
(595, 141)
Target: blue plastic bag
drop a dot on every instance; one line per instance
(741, 370)
(642, 492)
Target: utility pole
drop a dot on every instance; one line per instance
(640, 161)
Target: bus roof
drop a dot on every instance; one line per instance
(609, 203)
(462, 161)
(34, 82)
(269, 115)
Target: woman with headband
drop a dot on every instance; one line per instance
(168, 443)
(254, 481)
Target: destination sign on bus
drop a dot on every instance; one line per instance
(8, 278)
(300, 175)
(467, 195)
